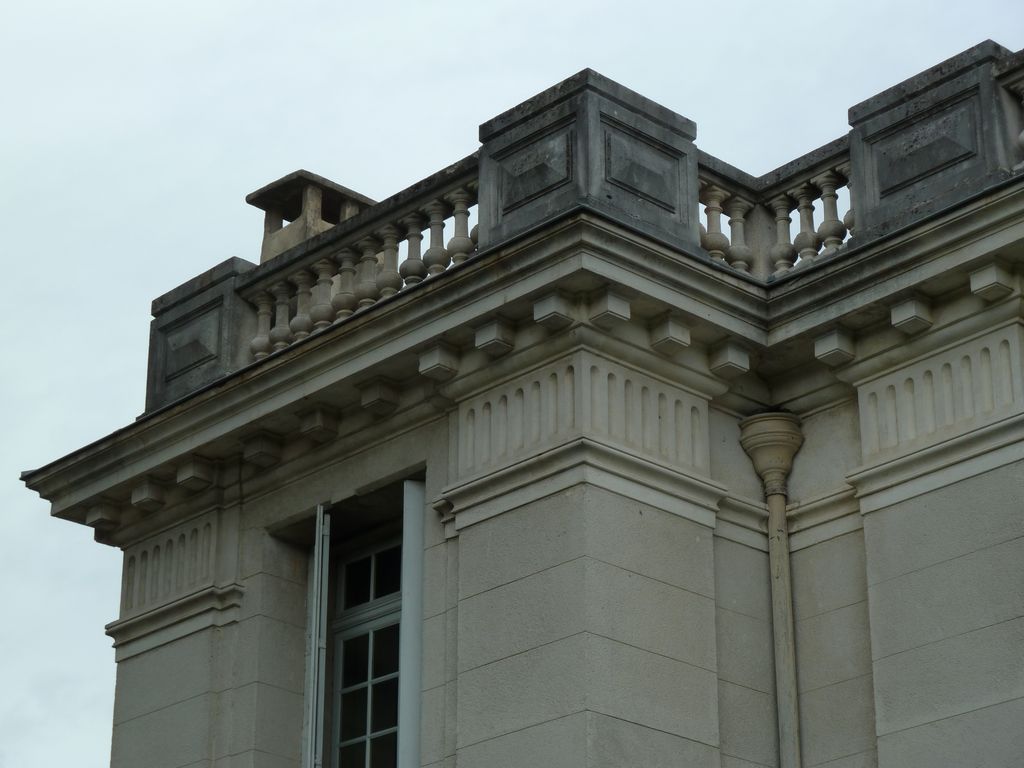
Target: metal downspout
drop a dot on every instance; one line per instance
(771, 440)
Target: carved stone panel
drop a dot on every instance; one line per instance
(928, 143)
(536, 168)
(588, 144)
(198, 334)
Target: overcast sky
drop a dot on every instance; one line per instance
(130, 132)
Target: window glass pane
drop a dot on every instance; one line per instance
(384, 751)
(357, 582)
(385, 705)
(354, 660)
(353, 714)
(353, 756)
(388, 565)
(385, 651)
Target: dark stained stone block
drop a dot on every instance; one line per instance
(589, 144)
(199, 333)
(929, 142)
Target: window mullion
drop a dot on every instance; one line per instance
(369, 683)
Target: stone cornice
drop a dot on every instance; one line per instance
(582, 461)
(744, 521)
(823, 517)
(901, 352)
(570, 256)
(211, 606)
(955, 241)
(936, 466)
(577, 255)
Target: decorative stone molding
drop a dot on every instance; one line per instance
(949, 392)
(744, 521)
(930, 468)
(583, 394)
(692, 496)
(170, 564)
(814, 520)
(207, 607)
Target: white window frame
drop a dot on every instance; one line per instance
(410, 632)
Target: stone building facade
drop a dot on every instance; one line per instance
(593, 450)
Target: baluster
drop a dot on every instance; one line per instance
(740, 254)
(716, 242)
(474, 233)
(322, 313)
(280, 334)
(344, 301)
(832, 231)
(366, 287)
(703, 231)
(389, 282)
(1018, 89)
(260, 345)
(413, 269)
(460, 246)
(436, 258)
(302, 324)
(848, 219)
(806, 241)
(783, 253)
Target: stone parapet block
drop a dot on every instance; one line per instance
(196, 333)
(589, 143)
(929, 142)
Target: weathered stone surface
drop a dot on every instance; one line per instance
(193, 339)
(929, 142)
(565, 401)
(588, 144)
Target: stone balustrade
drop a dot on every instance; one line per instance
(784, 220)
(590, 146)
(373, 255)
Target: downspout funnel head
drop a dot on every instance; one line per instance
(771, 440)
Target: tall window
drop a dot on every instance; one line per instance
(365, 632)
